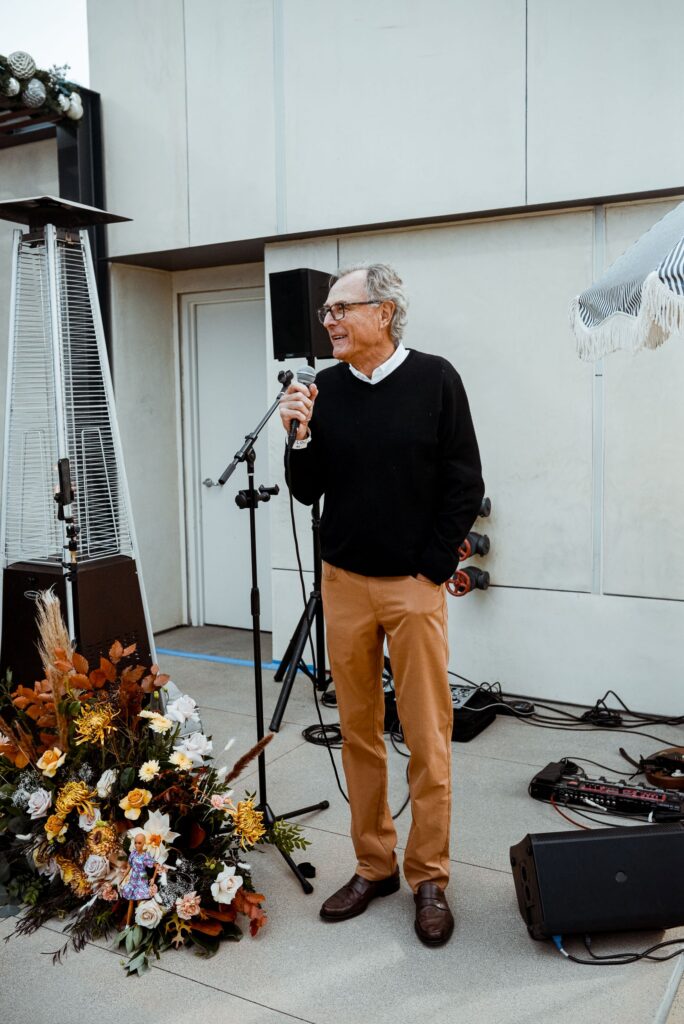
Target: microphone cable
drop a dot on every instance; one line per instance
(321, 730)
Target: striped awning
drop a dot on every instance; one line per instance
(639, 302)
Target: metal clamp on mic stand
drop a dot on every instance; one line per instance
(250, 498)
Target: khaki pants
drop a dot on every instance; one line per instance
(359, 612)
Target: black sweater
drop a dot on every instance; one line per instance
(399, 466)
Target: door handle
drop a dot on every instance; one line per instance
(211, 483)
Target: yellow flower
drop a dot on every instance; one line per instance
(74, 796)
(158, 723)
(102, 840)
(73, 876)
(149, 770)
(134, 801)
(182, 762)
(249, 824)
(51, 761)
(55, 827)
(94, 724)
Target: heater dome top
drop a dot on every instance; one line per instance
(41, 210)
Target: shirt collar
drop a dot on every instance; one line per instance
(384, 370)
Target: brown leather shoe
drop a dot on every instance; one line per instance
(354, 897)
(434, 920)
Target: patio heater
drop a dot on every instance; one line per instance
(65, 515)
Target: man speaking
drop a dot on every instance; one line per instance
(389, 441)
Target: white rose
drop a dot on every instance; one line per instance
(148, 914)
(96, 867)
(39, 803)
(182, 710)
(63, 102)
(88, 821)
(196, 746)
(105, 783)
(226, 885)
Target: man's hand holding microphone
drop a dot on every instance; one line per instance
(296, 405)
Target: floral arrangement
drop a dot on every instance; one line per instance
(101, 781)
(24, 86)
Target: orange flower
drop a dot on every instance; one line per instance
(55, 827)
(134, 801)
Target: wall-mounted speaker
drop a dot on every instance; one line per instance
(296, 295)
(603, 880)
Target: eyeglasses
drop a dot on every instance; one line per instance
(338, 309)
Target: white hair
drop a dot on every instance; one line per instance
(383, 284)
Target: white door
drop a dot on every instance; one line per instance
(230, 395)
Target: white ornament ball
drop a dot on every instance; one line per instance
(63, 102)
(12, 87)
(34, 94)
(21, 64)
(75, 111)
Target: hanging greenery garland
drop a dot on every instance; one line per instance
(24, 86)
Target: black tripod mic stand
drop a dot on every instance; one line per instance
(250, 498)
(293, 660)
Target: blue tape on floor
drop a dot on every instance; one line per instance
(215, 657)
(270, 665)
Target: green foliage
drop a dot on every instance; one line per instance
(286, 837)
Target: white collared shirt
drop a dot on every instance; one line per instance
(384, 370)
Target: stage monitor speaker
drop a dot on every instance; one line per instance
(603, 880)
(296, 295)
(107, 607)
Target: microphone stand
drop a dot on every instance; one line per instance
(250, 498)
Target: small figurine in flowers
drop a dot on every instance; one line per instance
(136, 885)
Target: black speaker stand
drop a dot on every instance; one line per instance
(293, 659)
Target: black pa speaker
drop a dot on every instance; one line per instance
(107, 605)
(296, 295)
(604, 880)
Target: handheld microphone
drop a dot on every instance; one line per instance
(305, 375)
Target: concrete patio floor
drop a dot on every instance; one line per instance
(372, 969)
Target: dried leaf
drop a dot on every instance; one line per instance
(228, 915)
(133, 674)
(197, 836)
(80, 664)
(97, 679)
(206, 927)
(79, 681)
(108, 670)
(115, 652)
(127, 651)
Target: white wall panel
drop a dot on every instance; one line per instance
(147, 410)
(229, 53)
(644, 460)
(571, 647)
(605, 92)
(137, 63)
(493, 298)
(396, 109)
